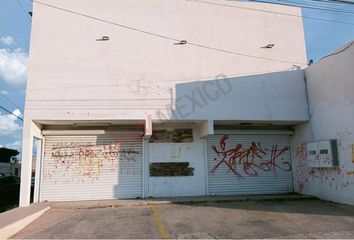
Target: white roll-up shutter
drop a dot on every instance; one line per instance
(92, 167)
(249, 164)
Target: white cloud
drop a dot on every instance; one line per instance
(12, 66)
(13, 62)
(16, 113)
(15, 145)
(8, 123)
(4, 92)
(8, 40)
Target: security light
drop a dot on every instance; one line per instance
(270, 45)
(182, 42)
(103, 38)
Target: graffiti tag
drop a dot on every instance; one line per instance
(251, 159)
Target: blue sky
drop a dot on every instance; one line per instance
(15, 26)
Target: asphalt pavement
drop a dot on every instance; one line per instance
(249, 219)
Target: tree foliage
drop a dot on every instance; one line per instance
(7, 153)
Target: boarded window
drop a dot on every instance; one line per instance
(312, 152)
(324, 151)
(168, 169)
(172, 136)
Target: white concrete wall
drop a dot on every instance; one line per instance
(193, 153)
(30, 131)
(268, 97)
(73, 76)
(330, 88)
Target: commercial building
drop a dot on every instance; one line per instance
(137, 99)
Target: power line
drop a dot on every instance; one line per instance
(23, 9)
(335, 1)
(106, 21)
(342, 1)
(11, 113)
(341, 50)
(8, 99)
(240, 54)
(305, 6)
(270, 11)
(164, 36)
(320, 3)
(19, 58)
(13, 51)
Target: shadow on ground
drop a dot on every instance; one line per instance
(308, 206)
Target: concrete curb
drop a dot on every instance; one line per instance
(186, 200)
(16, 219)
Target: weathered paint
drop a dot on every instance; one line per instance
(249, 164)
(192, 153)
(98, 165)
(72, 76)
(331, 101)
(136, 76)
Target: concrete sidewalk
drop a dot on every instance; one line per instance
(266, 218)
(16, 219)
(176, 200)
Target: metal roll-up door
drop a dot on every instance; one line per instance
(92, 167)
(249, 164)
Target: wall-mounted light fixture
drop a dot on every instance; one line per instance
(270, 45)
(103, 38)
(181, 42)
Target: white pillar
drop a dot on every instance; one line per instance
(148, 126)
(38, 170)
(206, 128)
(26, 163)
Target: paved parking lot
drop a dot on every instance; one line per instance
(253, 219)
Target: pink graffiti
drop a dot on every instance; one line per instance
(247, 158)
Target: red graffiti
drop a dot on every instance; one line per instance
(333, 177)
(247, 158)
(301, 167)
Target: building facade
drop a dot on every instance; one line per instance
(331, 105)
(137, 99)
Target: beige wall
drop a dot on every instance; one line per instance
(73, 76)
(330, 85)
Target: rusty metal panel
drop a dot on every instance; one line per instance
(92, 167)
(249, 164)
